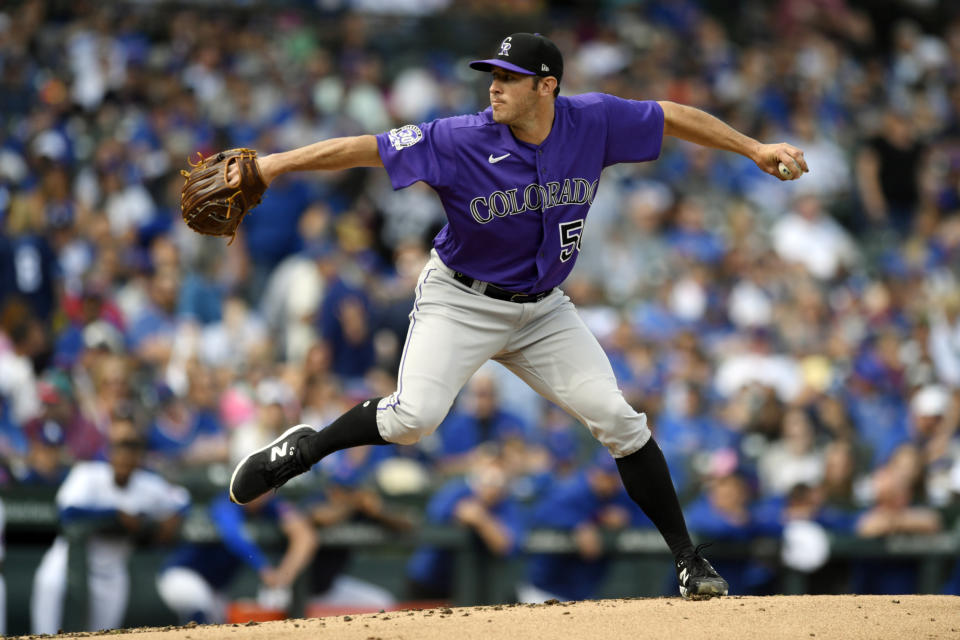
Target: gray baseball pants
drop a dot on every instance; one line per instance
(455, 329)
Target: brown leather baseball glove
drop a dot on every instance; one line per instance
(213, 207)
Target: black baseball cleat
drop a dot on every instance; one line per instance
(269, 467)
(698, 579)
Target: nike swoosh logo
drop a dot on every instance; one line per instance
(493, 160)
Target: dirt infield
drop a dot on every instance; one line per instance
(834, 617)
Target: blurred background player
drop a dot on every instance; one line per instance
(121, 504)
(196, 578)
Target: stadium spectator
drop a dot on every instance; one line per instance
(894, 511)
(792, 459)
(586, 504)
(273, 236)
(876, 397)
(82, 439)
(888, 172)
(183, 436)
(805, 547)
(808, 236)
(725, 513)
(839, 475)
(687, 433)
(934, 419)
(294, 293)
(690, 236)
(83, 309)
(106, 386)
(238, 340)
(345, 324)
(944, 343)
(557, 434)
(21, 340)
(276, 407)
(322, 394)
(46, 462)
(27, 259)
(481, 504)
(833, 180)
(154, 329)
(758, 364)
(477, 420)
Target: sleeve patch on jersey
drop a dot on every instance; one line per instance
(405, 136)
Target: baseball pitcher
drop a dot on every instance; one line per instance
(516, 182)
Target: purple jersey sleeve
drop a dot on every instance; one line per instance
(412, 153)
(634, 130)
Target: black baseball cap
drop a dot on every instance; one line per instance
(527, 53)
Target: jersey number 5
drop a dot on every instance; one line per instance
(571, 233)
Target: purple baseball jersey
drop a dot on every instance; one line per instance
(515, 211)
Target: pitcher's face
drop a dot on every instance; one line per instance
(512, 96)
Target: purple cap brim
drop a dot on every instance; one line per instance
(484, 65)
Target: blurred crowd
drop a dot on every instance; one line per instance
(796, 346)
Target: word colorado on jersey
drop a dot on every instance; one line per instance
(535, 196)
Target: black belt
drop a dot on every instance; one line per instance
(495, 292)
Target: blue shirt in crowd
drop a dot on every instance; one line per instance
(171, 444)
(433, 567)
(461, 431)
(569, 504)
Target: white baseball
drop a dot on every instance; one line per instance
(784, 171)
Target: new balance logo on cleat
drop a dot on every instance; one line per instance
(269, 467)
(698, 579)
(280, 452)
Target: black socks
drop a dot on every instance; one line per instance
(356, 427)
(647, 480)
(644, 472)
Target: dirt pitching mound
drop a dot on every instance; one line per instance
(806, 617)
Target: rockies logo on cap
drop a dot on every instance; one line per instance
(527, 53)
